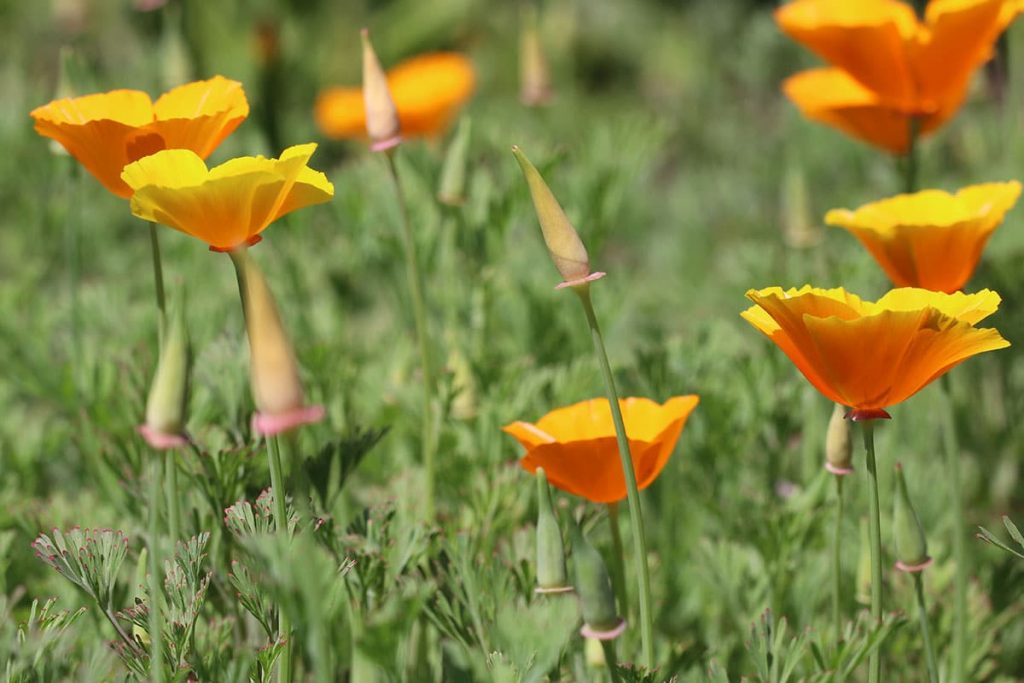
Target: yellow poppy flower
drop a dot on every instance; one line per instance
(107, 131)
(428, 91)
(576, 444)
(906, 67)
(227, 206)
(871, 355)
(930, 239)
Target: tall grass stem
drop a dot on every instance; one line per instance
(419, 310)
(619, 561)
(837, 569)
(951, 446)
(284, 664)
(172, 493)
(156, 659)
(158, 280)
(922, 616)
(611, 661)
(875, 534)
(636, 519)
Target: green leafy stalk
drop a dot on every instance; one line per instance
(922, 616)
(875, 532)
(284, 666)
(837, 584)
(156, 659)
(632, 492)
(419, 310)
(951, 445)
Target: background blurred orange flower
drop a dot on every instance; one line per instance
(576, 444)
(229, 205)
(428, 91)
(930, 239)
(107, 131)
(890, 67)
(871, 355)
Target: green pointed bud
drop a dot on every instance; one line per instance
(593, 584)
(908, 534)
(838, 444)
(453, 173)
(564, 244)
(175, 64)
(534, 77)
(168, 394)
(382, 123)
(273, 370)
(798, 229)
(551, 571)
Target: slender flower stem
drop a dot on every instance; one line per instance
(172, 493)
(156, 659)
(158, 279)
(837, 584)
(419, 310)
(611, 660)
(619, 561)
(922, 616)
(875, 532)
(910, 161)
(284, 665)
(636, 519)
(951, 445)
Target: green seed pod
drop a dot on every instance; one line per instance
(838, 444)
(597, 598)
(911, 544)
(165, 406)
(452, 190)
(551, 572)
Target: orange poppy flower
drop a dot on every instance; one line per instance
(930, 239)
(227, 206)
(428, 91)
(871, 355)
(105, 132)
(576, 444)
(905, 67)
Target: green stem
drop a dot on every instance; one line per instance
(419, 310)
(611, 660)
(910, 161)
(837, 584)
(156, 660)
(284, 666)
(951, 445)
(172, 493)
(922, 616)
(158, 279)
(875, 533)
(619, 561)
(636, 519)
(72, 256)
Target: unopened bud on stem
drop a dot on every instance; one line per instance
(382, 123)
(911, 544)
(597, 598)
(552, 576)
(838, 444)
(564, 244)
(168, 394)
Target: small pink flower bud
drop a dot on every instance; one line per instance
(382, 123)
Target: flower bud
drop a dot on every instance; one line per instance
(551, 573)
(838, 443)
(564, 244)
(168, 394)
(381, 115)
(534, 78)
(452, 190)
(597, 598)
(908, 534)
(273, 370)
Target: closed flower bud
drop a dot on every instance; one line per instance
(168, 394)
(838, 444)
(534, 78)
(597, 598)
(452, 190)
(908, 534)
(273, 370)
(551, 573)
(564, 244)
(381, 115)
